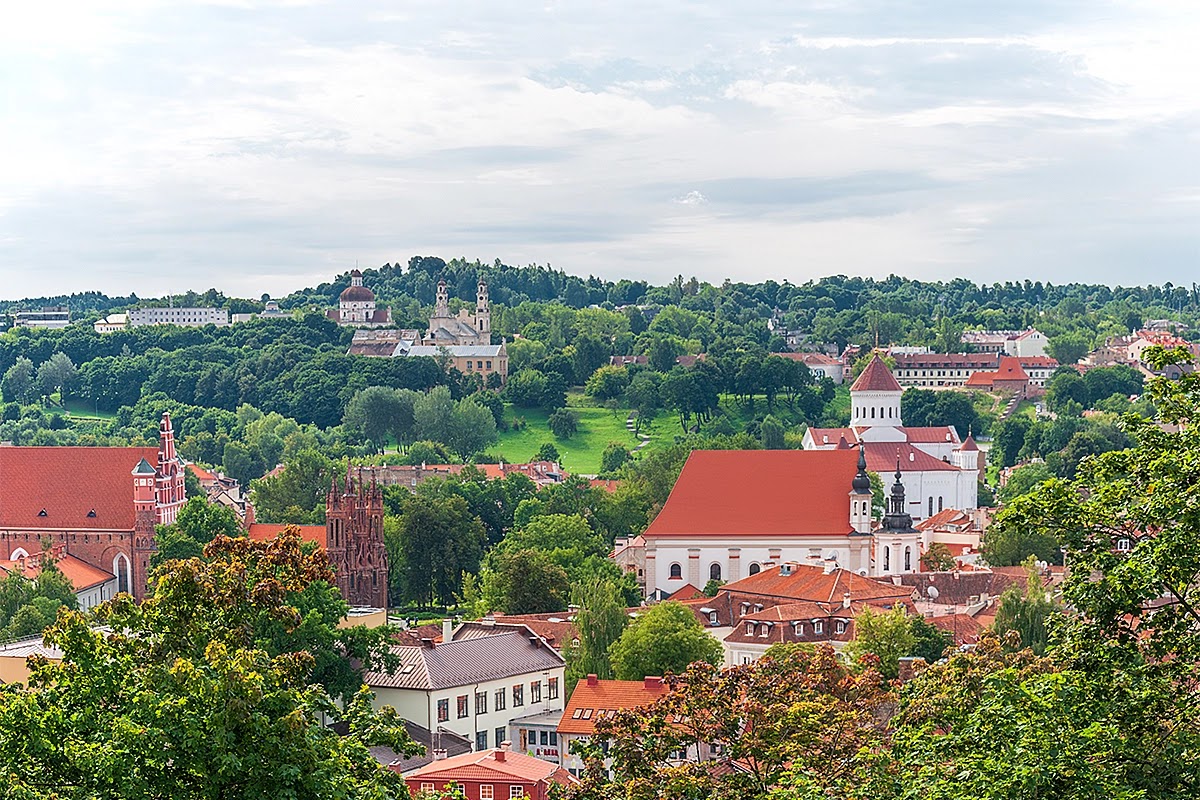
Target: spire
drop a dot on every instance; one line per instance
(897, 519)
(862, 481)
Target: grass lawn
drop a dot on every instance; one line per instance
(82, 410)
(581, 453)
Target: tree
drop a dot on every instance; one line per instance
(929, 641)
(297, 493)
(600, 619)
(56, 374)
(17, 384)
(772, 433)
(665, 638)
(564, 423)
(526, 389)
(615, 456)
(1068, 348)
(547, 452)
(607, 383)
(1023, 480)
(1066, 386)
(937, 558)
(1027, 612)
(129, 710)
(439, 541)
(588, 356)
(378, 412)
(887, 636)
(472, 428)
(525, 582)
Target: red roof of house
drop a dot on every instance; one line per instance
(81, 574)
(760, 492)
(981, 379)
(881, 458)
(968, 445)
(686, 592)
(963, 627)
(487, 766)
(1010, 370)
(876, 378)
(202, 473)
(78, 487)
(593, 698)
(932, 434)
(813, 584)
(261, 532)
(947, 516)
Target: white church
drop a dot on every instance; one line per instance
(940, 470)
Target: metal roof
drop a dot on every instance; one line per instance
(449, 664)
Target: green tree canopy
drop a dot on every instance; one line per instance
(664, 638)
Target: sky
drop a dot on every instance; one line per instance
(154, 147)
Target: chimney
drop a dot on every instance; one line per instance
(534, 640)
(506, 745)
(447, 629)
(427, 642)
(846, 600)
(911, 667)
(592, 680)
(499, 755)
(439, 754)
(653, 682)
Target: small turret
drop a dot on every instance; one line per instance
(860, 496)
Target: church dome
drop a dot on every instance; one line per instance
(356, 294)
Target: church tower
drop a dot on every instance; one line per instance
(168, 486)
(483, 314)
(860, 496)
(134, 577)
(441, 305)
(875, 404)
(354, 540)
(897, 542)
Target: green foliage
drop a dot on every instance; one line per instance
(564, 423)
(438, 540)
(615, 456)
(607, 383)
(600, 619)
(885, 635)
(665, 638)
(1024, 480)
(925, 407)
(547, 452)
(937, 558)
(1027, 612)
(378, 413)
(28, 606)
(525, 582)
(297, 494)
(771, 431)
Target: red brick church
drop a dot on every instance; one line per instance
(98, 504)
(352, 536)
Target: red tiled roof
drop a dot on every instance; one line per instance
(593, 697)
(261, 532)
(932, 434)
(981, 379)
(204, 475)
(608, 485)
(81, 574)
(760, 492)
(69, 483)
(947, 516)
(686, 592)
(485, 766)
(963, 627)
(814, 584)
(1037, 361)
(881, 458)
(1010, 370)
(826, 436)
(968, 445)
(876, 378)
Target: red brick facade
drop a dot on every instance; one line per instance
(354, 540)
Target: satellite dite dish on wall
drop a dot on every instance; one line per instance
(933, 592)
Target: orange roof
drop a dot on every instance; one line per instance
(202, 473)
(968, 445)
(881, 458)
(963, 627)
(608, 485)
(594, 698)
(876, 378)
(760, 493)
(1010, 370)
(261, 532)
(811, 583)
(947, 516)
(485, 766)
(686, 592)
(77, 487)
(81, 574)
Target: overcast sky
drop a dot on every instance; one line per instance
(160, 146)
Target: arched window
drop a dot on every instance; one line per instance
(676, 571)
(20, 552)
(939, 503)
(887, 558)
(889, 413)
(908, 559)
(122, 570)
(714, 572)
(872, 412)
(930, 507)
(755, 568)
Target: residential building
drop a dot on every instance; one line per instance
(630, 556)
(496, 774)
(474, 686)
(940, 470)
(356, 306)
(944, 370)
(595, 699)
(352, 537)
(437, 743)
(1029, 342)
(537, 735)
(46, 317)
(98, 504)
(92, 586)
(960, 531)
(183, 317)
(1009, 378)
(542, 473)
(111, 323)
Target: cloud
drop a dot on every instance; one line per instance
(692, 198)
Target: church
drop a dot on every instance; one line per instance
(356, 306)
(940, 470)
(462, 328)
(733, 513)
(98, 505)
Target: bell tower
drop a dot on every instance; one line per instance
(860, 496)
(898, 543)
(483, 314)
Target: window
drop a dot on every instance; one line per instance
(714, 572)
(426, 787)
(501, 697)
(930, 507)
(501, 735)
(676, 571)
(840, 627)
(486, 791)
(818, 627)
(554, 738)
(799, 626)
(872, 412)
(887, 558)
(443, 710)
(480, 703)
(907, 559)
(940, 503)
(516, 791)
(535, 691)
(462, 706)
(518, 695)
(552, 688)
(489, 365)
(545, 737)
(749, 628)
(481, 742)
(1124, 545)
(765, 630)
(755, 568)
(712, 618)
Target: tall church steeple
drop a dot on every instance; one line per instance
(441, 307)
(860, 496)
(483, 314)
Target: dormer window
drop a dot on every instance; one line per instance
(92, 513)
(43, 513)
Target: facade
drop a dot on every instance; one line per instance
(594, 699)
(463, 328)
(474, 687)
(497, 774)
(47, 317)
(356, 306)
(352, 537)
(941, 370)
(184, 317)
(97, 504)
(482, 359)
(1029, 342)
(111, 323)
(823, 366)
(92, 586)
(940, 470)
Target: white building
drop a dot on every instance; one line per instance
(47, 317)
(111, 323)
(183, 317)
(939, 469)
(1029, 342)
(474, 687)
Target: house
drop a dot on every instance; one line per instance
(356, 306)
(111, 323)
(823, 366)
(940, 470)
(474, 686)
(960, 531)
(542, 473)
(183, 317)
(48, 317)
(1029, 342)
(595, 699)
(555, 629)
(1008, 378)
(794, 602)
(15, 655)
(537, 735)
(948, 370)
(438, 744)
(489, 775)
(92, 586)
(630, 556)
(99, 505)
(352, 537)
